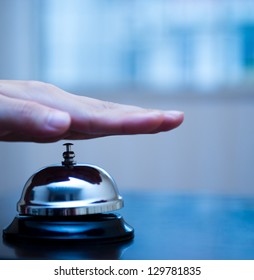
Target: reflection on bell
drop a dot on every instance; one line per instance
(69, 202)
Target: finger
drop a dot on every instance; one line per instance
(111, 119)
(30, 119)
(171, 120)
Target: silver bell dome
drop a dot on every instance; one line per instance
(69, 189)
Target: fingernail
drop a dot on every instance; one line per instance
(175, 114)
(58, 120)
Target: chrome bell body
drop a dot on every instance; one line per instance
(69, 191)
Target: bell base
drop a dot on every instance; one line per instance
(96, 228)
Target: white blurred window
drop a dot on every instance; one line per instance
(158, 44)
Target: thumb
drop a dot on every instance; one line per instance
(22, 117)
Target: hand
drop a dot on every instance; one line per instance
(39, 112)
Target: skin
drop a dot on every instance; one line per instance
(34, 111)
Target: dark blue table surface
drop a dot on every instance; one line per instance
(167, 226)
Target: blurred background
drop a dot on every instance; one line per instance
(196, 56)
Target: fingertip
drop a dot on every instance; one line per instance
(175, 116)
(179, 117)
(172, 120)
